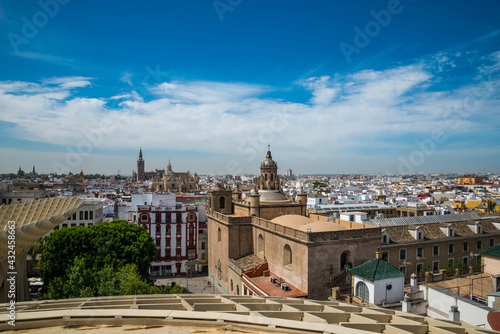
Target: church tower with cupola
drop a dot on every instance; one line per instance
(268, 179)
(168, 170)
(140, 167)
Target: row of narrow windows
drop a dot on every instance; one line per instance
(265, 177)
(435, 249)
(83, 215)
(168, 230)
(168, 218)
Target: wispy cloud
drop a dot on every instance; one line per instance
(41, 56)
(323, 89)
(206, 92)
(68, 82)
(127, 78)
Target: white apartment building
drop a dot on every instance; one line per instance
(175, 231)
(90, 213)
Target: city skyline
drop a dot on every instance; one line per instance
(385, 87)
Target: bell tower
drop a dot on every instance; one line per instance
(268, 179)
(140, 167)
(220, 199)
(168, 170)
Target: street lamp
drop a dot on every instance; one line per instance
(475, 256)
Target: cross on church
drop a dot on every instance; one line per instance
(268, 147)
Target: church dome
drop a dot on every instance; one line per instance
(269, 162)
(272, 196)
(292, 220)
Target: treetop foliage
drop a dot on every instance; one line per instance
(82, 261)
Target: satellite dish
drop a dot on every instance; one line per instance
(388, 286)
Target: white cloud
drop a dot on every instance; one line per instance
(68, 82)
(206, 92)
(323, 90)
(127, 78)
(494, 64)
(133, 95)
(347, 113)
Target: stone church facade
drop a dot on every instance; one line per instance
(166, 180)
(269, 234)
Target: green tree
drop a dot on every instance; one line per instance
(80, 282)
(71, 253)
(54, 290)
(109, 284)
(83, 282)
(131, 282)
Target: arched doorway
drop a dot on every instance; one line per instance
(287, 255)
(260, 246)
(345, 260)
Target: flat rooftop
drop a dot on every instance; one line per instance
(352, 206)
(478, 285)
(402, 221)
(273, 289)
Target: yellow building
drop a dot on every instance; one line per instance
(470, 179)
(473, 204)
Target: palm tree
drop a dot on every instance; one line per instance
(35, 250)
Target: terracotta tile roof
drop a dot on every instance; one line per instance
(248, 262)
(399, 234)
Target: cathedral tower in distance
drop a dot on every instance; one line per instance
(140, 167)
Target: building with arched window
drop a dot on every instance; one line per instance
(175, 230)
(267, 245)
(287, 255)
(377, 282)
(362, 291)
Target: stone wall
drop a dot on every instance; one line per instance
(324, 261)
(272, 211)
(236, 241)
(295, 273)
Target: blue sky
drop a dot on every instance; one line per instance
(334, 87)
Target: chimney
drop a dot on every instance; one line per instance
(406, 304)
(454, 314)
(413, 282)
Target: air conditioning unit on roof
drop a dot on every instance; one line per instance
(272, 279)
